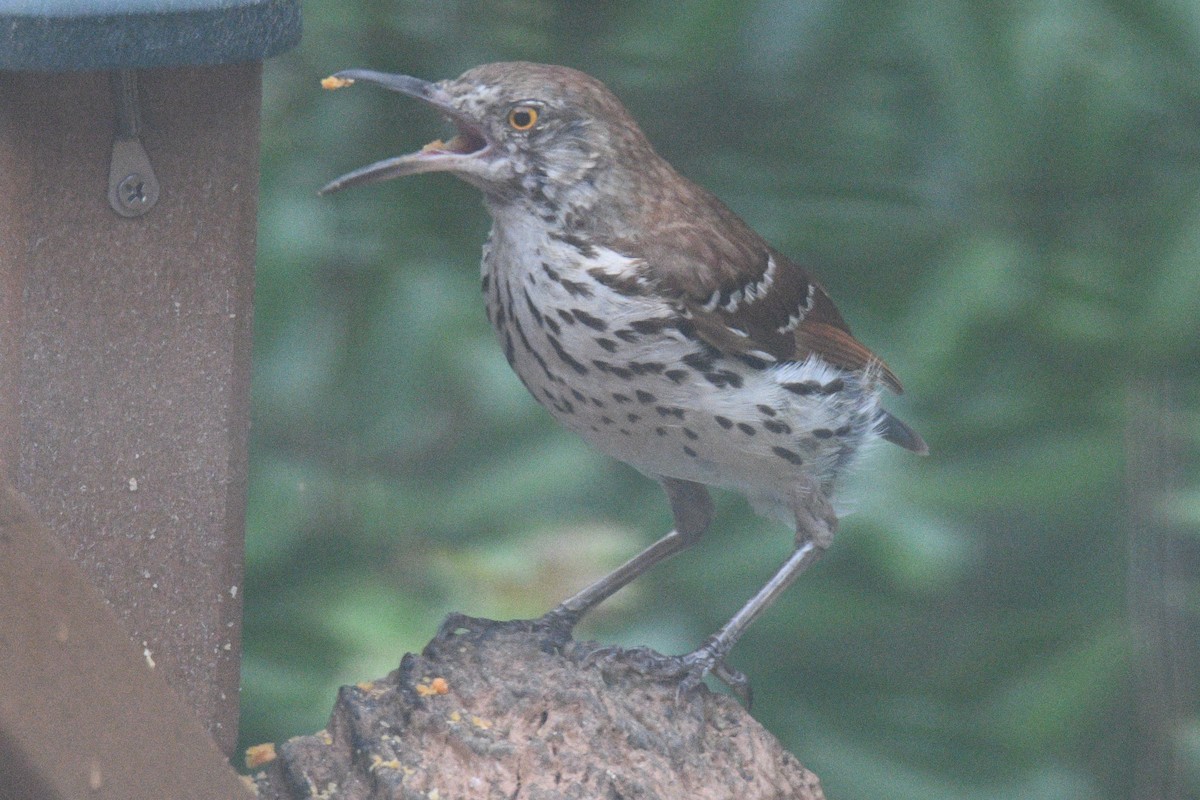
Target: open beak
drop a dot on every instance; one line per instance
(458, 154)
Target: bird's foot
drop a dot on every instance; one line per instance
(556, 625)
(686, 671)
(456, 625)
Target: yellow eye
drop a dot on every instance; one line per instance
(522, 118)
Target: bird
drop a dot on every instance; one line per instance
(650, 319)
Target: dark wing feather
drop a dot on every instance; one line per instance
(743, 297)
(897, 432)
(769, 307)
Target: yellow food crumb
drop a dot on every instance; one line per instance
(455, 716)
(260, 754)
(435, 686)
(366, 686)
(334, 82)
(325, 736)
(480, 722)
(377, 763)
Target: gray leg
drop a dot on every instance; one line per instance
(815, 524)
(692, 509)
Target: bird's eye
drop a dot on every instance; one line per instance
(522, 118)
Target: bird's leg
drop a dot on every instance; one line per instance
(692, 509)
(710, 656)
(815, 525)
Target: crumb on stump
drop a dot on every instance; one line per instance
(498, 710)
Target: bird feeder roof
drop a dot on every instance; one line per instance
(63, 35)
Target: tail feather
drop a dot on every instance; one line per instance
(897, 432)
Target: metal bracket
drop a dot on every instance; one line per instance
(132, 186)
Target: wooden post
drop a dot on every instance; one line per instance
(128, 355)
(82, 713)
(128, 189)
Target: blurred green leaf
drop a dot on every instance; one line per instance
(1002, 198)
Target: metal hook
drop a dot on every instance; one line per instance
(132, 185)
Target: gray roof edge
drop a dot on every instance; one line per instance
(146, 33)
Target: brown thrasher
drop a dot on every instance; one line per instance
(651, 320)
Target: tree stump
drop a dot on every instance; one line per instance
(498, 710)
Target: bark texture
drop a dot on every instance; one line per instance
(500, 710)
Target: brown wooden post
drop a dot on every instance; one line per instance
(82, 714)
(128, 189)
(132, 384)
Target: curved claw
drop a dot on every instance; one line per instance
(601, 655)
(705, 660)
(688, 670)
(456, 623)
(556, 624)
(737, 682)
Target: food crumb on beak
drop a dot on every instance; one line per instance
(334, 82)
(436, 144)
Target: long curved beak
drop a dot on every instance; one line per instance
(405, 84)
(437, 156)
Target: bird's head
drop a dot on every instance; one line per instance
(525, 133)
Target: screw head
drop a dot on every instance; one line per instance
(132, 186)
(131, 193)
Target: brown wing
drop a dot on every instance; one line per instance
(743, 297)
(789, 319)
(823, 331)
(766, 308)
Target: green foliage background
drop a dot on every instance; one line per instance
(1003, 198)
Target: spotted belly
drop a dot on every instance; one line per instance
(629, 375)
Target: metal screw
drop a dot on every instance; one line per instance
(131, 193)
(132, 186)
